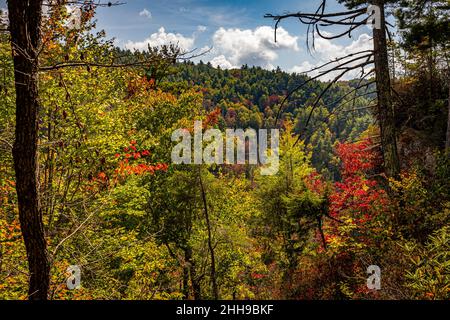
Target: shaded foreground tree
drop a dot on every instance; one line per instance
(385, 105)
(24, 23)
(355, 17)
(25, 28)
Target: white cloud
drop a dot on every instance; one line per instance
(205, 50)
(222, 62)
(304, 67)
(254, 47)
(145, 13)
(74, 18)
(4, 16)
(74, 13)
(326, 51)
(201, 28)
(162, 38)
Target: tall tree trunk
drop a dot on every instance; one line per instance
(25, 21)
(447, 141)
(385, 106)
(193, 273)
(185, 278)
(215, 289)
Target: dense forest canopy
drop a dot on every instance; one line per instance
(249, 98)
(87, 183)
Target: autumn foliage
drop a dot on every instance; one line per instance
(133, 161)
(358, 203)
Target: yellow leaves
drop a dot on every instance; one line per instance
(346, 290)
(13, 272)
(407, 181)
(51, 45)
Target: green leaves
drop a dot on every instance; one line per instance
(430, 275)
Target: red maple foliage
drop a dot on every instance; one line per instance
(357, 158)
(136, 162)
(358, 196)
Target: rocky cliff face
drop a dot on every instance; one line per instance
(415, 147)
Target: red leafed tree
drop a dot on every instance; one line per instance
(358, 201)
(135, 161)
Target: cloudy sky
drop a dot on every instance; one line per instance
(235, 30)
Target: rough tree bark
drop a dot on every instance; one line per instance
(447, 141)
(25, 21)
(385, 106)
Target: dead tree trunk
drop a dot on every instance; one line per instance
(385, 106)
(25, 21)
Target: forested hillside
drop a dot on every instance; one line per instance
(92, 205)
(250, 98)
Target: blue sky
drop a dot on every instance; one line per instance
(235, 30)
